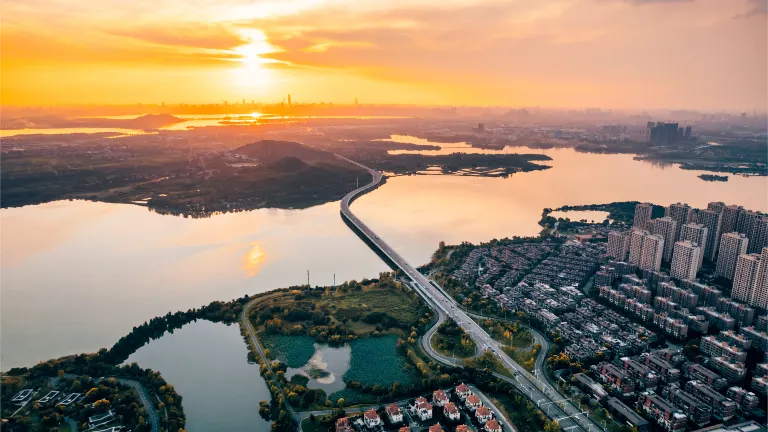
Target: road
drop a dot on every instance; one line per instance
(543, 395)
(145, 400)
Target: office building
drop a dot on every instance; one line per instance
(618, 245)
(643, 213)
(685, 260)
(665, 227)
(681, 214)
(755, 226)
(732, 245)
(745, 279)
(695, 233)
(710, 220)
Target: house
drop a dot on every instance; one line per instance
(451, 412)
(394, 413)
(462, 391)
(101, 419)
(439, 398)
(371, 418)
(462, 428)
(473, 402)
(493, 426)
(436, 428)
(404, 429)
(423, 409)
(342, 425)
(483, 414)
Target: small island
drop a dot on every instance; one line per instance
(713, 177)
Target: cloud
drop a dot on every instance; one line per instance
(205, 36)
(758, 7)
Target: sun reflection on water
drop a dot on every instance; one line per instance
(253, 260)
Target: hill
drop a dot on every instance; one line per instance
(267, 151)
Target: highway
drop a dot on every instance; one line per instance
(543, 395)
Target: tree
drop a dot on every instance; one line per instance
(340, 402)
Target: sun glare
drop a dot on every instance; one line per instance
(253, 70)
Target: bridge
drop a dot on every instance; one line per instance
(542, 394)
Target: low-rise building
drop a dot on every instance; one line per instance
(696, 410)
(722, 407)
(451, 411)
(462, 391)
(759, 337)
(423, 409)
(667, 372)
(473, 402)
(439, 398)
(618, 380)
(626, 413)
(491, 426)
(760, 385)
(663, 412)
(394, 413)
(483, 414)
(732, 372)
(746, 399)
(589, 385)
(713, 347)
(371, 418)
(343, 425)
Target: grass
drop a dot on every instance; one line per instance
(295, 351)
(350, 304)
(375, 361)
(308, 425)
(353, 397)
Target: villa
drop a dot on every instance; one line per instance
(439, 398)
(436, 428)
(371, 419)
(492, 426)
(462, 391)
(404, 429)
(483, 414)
(451, 411)
(473, 402)
(423, 409)
(342, 425)
(462, 428)
(394, 413)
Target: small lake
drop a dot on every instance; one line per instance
(326, 368)
(207, 364)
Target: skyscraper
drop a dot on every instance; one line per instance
(618, 245)
(642, 215)
(710, 219)
(716, 206)
(745, 279)
(730, 218)
(697, 234)
(761, 282)
(755, 226)
(653, 248)
(685, 260)
(666, 227)
(636, 237)
(681, 214)
(732, 245)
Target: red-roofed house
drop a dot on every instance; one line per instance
(462, 391)
(404, 429)
(439, 398)
(473, 402)
(451, 411)
(371, 418)
(462, 428)
(492, 426)
(342, 425)
(483, 414)
(436, 428)
(394, 413)
(423, 409)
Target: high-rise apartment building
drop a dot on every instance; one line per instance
(636, 237)
(732, 245)
(697, 234)
(755, 226)
(665, 227)
(681, 214)
(716, 206)
(730, 218)
(685, 260)
(643, 213)
(618, 245)
(745, 279)
(653, 249)
(761, 282)
(710, 219)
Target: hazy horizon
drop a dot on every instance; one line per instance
(705, 55)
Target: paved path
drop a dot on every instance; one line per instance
(72, 424)
(146, 400)
(546, 397)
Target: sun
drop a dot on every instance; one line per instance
(253, 70)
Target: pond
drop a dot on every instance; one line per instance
(207, 364)
(326, 368)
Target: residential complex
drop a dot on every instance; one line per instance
(732, 245)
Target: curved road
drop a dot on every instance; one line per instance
(547, 398)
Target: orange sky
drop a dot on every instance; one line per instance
(698, 54)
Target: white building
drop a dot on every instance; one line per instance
(666, 227)
(371, 419)
(696, 233)
(732, 245)
(394, 413)
(685, 260)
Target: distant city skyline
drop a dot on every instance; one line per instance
(701, 55)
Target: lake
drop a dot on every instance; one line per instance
(207, 364)
(78, 275)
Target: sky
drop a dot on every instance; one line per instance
(621, 54)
